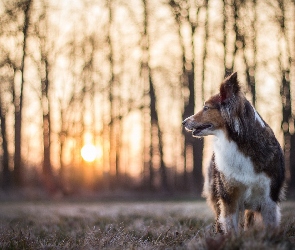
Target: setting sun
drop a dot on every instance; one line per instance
(90, 152)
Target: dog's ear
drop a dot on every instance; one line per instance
(229, 87)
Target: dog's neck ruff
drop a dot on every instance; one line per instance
(230, 160)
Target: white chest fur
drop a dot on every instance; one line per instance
(238, 169)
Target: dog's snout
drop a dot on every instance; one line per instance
(186, 122)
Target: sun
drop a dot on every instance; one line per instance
(89, 152)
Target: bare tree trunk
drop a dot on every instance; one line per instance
(148, 102)
(292, 159)
(286, 123)
(191, 144)
(41, 31)
(241, 37)
(227, 70)
(47, 167)
(251, 72)
(184, 82)
(287, 116)
(205, 54)
(148, 87)
(199, 144)
(155, 133)
(6, 175)
(292, 122)
(147, 169)
(235, 8)
(18, 101)
(62, 139)
(192, 148)
(112, 131)
(119, 134)
(155, 125)
(105, 158)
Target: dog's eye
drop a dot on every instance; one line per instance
(205, 108)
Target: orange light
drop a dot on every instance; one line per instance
(89, 152)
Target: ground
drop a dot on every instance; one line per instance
(129, 225)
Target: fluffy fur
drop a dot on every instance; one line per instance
(246, 174)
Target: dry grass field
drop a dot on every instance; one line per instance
(129, 225)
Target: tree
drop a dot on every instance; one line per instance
(156, 139)
(44, 64)
(18, 90)
(15, 22)
(285, 65)
(7, 73)
(113, 167)
(192, 148)
(243, 41)
(5, 159)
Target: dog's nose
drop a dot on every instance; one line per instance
(184, 122)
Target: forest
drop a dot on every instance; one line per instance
(119, 76)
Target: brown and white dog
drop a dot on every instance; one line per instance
(247, 172)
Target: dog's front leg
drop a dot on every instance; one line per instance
(229, 217)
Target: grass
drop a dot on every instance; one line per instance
(132, 225)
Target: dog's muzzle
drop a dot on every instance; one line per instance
(195, 128)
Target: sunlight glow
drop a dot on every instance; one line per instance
(90, 152)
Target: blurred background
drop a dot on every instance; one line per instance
(93, 92)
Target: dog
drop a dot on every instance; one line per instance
(247, 172)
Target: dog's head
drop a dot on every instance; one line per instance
(214, 114)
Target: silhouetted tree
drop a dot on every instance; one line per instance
(156, 139)
(285, 66)
(112, 82)
(192, 147)
(245, 41)
(18, 93)
(6, 175)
